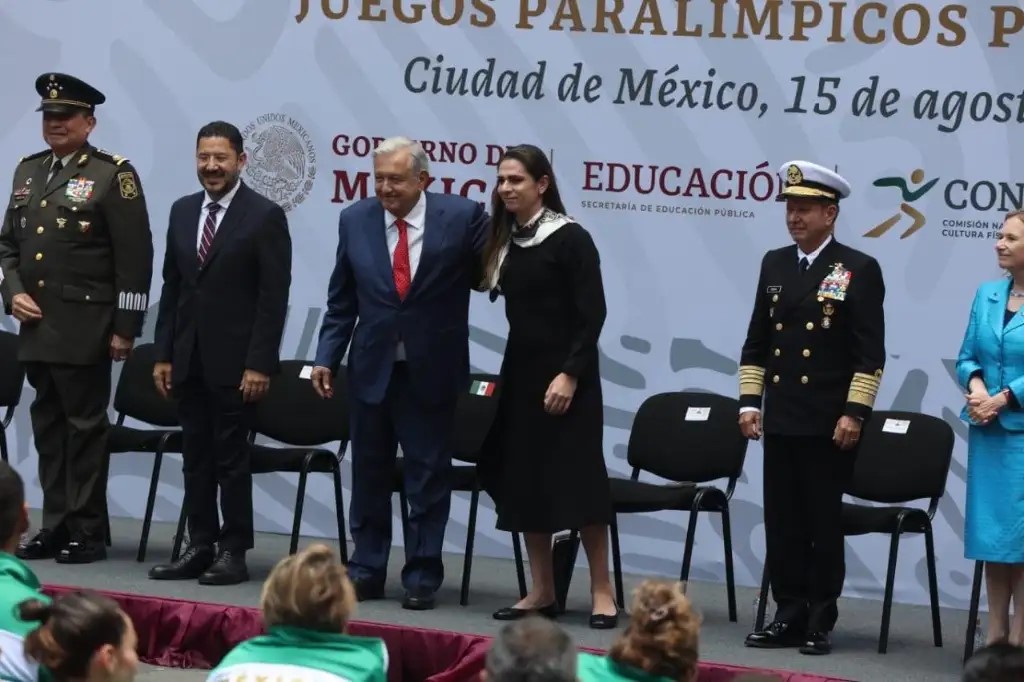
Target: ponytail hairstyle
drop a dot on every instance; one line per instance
(71, 630)
(662, 636)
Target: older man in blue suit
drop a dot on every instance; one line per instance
(407, 260)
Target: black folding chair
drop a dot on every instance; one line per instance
(12, 380)
(972, 613)
(474, 416)
(688, 438)
(903, 456)
(136, 398)
(293, 415)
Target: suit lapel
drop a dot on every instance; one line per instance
(232, 218)
(434, 233)
(39, 178)
(191, 233)
(997, 311)
(797, 286)
(378, 242)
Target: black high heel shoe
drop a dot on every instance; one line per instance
(600, 621)
(512, 613)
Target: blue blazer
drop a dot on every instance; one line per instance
(433, 321)
(994, 349)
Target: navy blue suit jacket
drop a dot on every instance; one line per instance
(433, 321)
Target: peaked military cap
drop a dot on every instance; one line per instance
(64, 94)
(809, 180)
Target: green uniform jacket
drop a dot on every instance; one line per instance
(17, 584)
(287, 653)
(82, 248)
(593, 668)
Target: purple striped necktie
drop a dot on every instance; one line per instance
(209, 230)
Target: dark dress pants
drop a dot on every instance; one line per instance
(424, 433)
(71, 431)
(215, 426)
(804, 481)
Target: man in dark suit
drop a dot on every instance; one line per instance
(76, 264)
(227, 272)
(815, 350)
(406, 262)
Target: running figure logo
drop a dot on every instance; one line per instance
(909, 197)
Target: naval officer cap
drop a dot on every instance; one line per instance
(64, 94)
(803, 179)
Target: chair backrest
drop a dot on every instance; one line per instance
(136, 395)
(902, 456)
(688, 436)
(474, 416)
(292, 413)
(12, 372)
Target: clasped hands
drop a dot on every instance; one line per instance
(982, 408)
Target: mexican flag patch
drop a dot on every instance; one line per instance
(482, 388)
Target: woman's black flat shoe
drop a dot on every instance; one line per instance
(512, 613)
(600, 621)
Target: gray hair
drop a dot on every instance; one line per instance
(420, 162)
(531, 650)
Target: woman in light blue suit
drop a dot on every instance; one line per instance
(991, 368)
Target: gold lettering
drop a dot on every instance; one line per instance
(955, 27)
(485, 16)
(801, 22)
(415, 17)
(858, 23)
(610, 15)
(1000, 30)
(369, 6)
(900, 30)
(681, 28)
(719, 26)
(325, 5)
(568, 10)
(438, 12)
(526, 13)
(837, 23)
(748, 13)
(649, 13)
(303, 11)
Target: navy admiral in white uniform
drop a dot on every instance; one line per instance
(812, 361)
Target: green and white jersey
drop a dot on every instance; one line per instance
(288, 654)
(593, 668)
(17, 583)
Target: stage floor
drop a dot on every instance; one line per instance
(911, 657)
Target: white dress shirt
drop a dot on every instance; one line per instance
(224, 202)
(810, 261)
(416, 224)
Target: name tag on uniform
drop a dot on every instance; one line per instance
(774, 289)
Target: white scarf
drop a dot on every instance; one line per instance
(547, 222)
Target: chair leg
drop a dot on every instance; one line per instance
(890, 578)
(933, 584)
(972, 613)
(517, 550)
(147, 519)
(691, 530)
(467, 562)
(339, 512)
(730, 581)
(762, 600)
(620, 596)
(300, 500)
(179, 534)
(3, 443)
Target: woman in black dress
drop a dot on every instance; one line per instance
(546, 452)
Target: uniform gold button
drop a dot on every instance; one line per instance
(39, 256)
(775, 298)
(775, 379)
(778, 327)
(40, 230)
(810, 326)
(778, 352)
(803, 380)
(821, 299)
(41, 283)
(42, 204)
(87, 297)
(74, 209)
(807, 352)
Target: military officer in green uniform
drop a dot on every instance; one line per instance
(815, 351)
(76, 261)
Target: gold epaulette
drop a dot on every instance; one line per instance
(37, 155)
(751, 380)
(110, 157)
(864, 388)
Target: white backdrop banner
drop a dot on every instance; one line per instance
(667, 121)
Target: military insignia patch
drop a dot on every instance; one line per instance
(79, 189)
(129, 190)
(836, 283)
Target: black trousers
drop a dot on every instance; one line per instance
(804, 481)
(215, 426)
(71, 429)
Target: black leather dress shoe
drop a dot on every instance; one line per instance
(189, 566)
(367, 589)
(80, 551)
(817, 644)
(46, 544)
(418, 601)
(777, 635)
(512, 613)
(227, 569)
(600, 621)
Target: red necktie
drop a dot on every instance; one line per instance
(401, 268)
